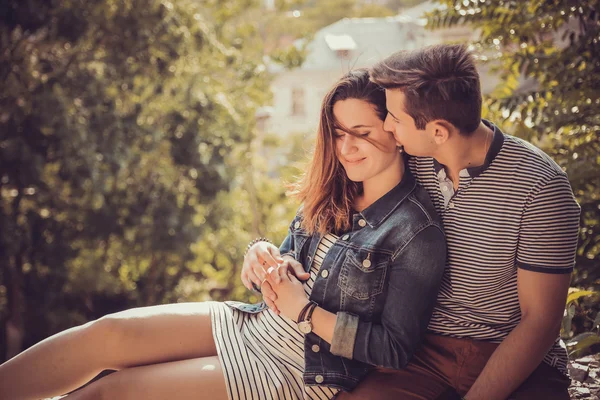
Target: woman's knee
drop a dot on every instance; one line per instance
(108, 334)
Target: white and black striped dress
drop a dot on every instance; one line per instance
(262, 355)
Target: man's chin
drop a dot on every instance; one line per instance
(409, 153)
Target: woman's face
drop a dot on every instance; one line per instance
(361, 159)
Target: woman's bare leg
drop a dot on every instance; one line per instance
(135, 337)
(200, 378)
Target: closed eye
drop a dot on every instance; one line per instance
(338, 135)
(393, 117)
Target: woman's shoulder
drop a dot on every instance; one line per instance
(414, 214)
(421, 199)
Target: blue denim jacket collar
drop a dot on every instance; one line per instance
(381, 209)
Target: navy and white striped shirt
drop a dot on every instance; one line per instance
(515, 211)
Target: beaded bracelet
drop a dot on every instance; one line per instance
(254, 241)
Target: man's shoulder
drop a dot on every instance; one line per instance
(527, 157)
(420, 166)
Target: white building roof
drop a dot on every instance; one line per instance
(367, 40)
(340, 42)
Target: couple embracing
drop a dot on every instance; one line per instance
(430, 259)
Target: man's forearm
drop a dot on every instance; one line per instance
(514, 360)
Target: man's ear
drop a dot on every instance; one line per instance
(440, 130)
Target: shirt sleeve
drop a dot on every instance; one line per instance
(549, 229)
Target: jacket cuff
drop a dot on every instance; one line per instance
(344, 335)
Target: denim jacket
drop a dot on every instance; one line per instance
(383, 306)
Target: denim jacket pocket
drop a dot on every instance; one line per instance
(363, 273)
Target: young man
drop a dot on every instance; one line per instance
(512, 226)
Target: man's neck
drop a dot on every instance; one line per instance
(465, 152)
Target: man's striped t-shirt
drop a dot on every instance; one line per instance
(515, 211)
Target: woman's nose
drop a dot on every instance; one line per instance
(348, 144)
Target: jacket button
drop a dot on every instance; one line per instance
(362, 222)
(366, 263)
(315, 348)
(297, 224)
(324, 273)
(319, 379)
(345, 237)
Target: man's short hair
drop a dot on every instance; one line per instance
(439, 82)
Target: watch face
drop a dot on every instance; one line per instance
(305, 327)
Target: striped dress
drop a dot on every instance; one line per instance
(262, 354)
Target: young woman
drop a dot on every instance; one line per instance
(373, 252)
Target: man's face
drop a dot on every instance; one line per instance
(415, 142)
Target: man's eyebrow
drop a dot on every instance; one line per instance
(389, 112)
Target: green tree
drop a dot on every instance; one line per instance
(118, 125)
(548, 54)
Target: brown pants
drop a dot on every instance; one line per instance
(445, 366)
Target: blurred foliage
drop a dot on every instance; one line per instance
(548, 55)
(131, 169)
(398, 5)
(580, 310)
(291, 25)
(124, 126)
(318, 14)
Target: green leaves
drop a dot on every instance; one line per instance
(581, 344)
(577, 293)
(119, 121)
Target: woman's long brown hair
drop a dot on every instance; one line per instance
(325, 191)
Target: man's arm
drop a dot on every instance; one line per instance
(545, 256)
(542, 298)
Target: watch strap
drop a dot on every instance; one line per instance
(303, 312)
(310, 311)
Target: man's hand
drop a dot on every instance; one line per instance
(290, 266)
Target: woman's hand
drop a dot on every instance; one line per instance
(258, 259)
(289, 290)
(292, 267)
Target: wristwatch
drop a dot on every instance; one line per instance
(305, 325)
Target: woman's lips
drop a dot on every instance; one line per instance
(354, 162)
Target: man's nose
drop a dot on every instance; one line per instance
(388, 124)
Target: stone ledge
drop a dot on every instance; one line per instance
(585, 374)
